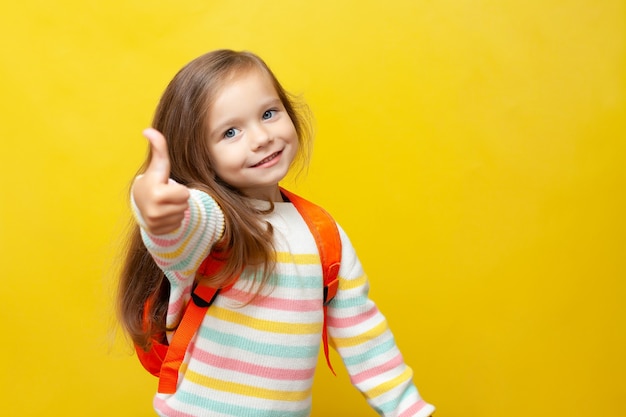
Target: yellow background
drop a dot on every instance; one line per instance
(473, 150)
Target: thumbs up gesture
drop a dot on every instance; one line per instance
(161, 201)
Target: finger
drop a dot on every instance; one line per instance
(178, 193)
(171, 194)
(163, 212)
(165, 224)
(159, 167)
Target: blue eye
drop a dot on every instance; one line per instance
(231, 133)
(269, 114)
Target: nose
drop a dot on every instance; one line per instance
(259, 137)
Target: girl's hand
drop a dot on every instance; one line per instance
(161, 201)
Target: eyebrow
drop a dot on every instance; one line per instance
(274, 101)
(222, 127)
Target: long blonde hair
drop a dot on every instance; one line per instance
(182, 118)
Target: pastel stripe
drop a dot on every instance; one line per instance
(347, 303)
(231, 409)
(246, 390)
(253, 369)
(175, 305)
(389, 385)
(377, 350)
(165, 409)
(343, 342)
(161, 241)
(408, 396)
(298, 259)
(374, 372)
(184, 246)
(351, 284)
(262, 324)
(169, 242)
(253, 346)
(299, 282)
(275, 303)
(355, 320)
(413, 409)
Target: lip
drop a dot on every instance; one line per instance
(270, 160)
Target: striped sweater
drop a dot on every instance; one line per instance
(258, 358)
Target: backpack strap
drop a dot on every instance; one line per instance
(324, 230)
(189, 325)
(202, 297)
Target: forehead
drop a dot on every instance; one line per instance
(248, 83)
(244, 93)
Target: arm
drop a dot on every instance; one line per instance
(178, 225)
(362, 337)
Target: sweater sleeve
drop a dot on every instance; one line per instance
(180, 253)
(360, 334)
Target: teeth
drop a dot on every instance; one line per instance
(269, 158)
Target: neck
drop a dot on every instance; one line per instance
(265, 194)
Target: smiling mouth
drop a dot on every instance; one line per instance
(266, 160)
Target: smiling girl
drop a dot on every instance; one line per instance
(224, 135)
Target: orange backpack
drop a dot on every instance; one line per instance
(163, 360)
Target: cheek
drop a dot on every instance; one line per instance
(296, 137)
(290, 131)
(219, 157)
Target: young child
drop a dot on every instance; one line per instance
(224, 134)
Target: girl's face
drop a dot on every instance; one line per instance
(252, 140)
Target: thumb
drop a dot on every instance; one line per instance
(159, 166)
